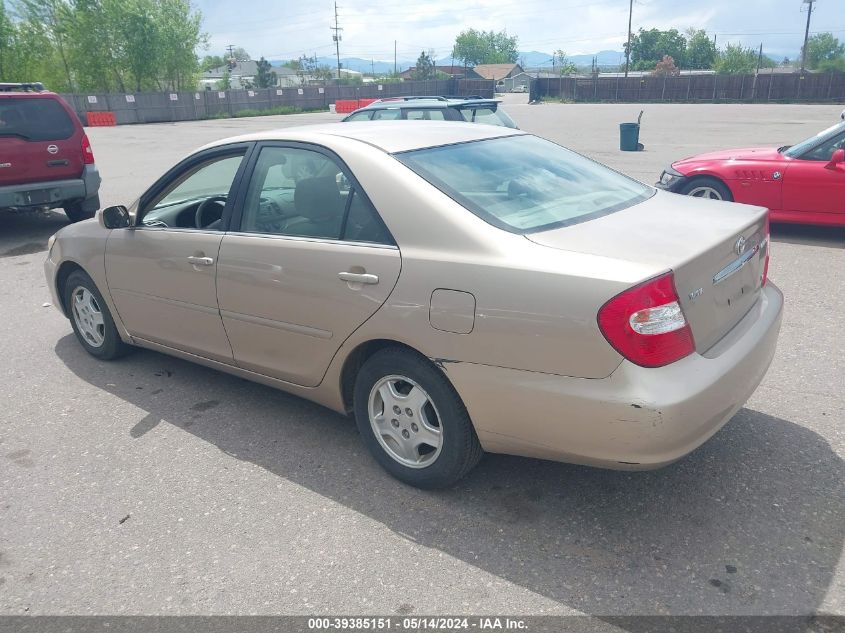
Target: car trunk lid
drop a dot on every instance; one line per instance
(38, 141)
(716, 250)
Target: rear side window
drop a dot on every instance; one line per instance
(35, 119)
(524, 184)
(487, 116)
(425, 115)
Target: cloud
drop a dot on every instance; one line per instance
(288, 29)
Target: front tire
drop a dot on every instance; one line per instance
(90, 317)
(413, 421)
(707, 188)
(77, 212)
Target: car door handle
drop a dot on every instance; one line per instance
(360, 278)
(200, 261)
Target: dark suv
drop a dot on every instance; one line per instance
(45, 156)
(472, 109)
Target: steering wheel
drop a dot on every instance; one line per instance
(199, 219)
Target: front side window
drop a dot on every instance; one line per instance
(360, 116)
(523, 183)
(197, 197)
(390, 114)
(304, 193)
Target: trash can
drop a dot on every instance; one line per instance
(629, 137)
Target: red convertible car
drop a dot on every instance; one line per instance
(803, 183)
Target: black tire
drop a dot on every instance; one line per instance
(459, 450)
(75, 212)
(706, 181)
(112, 346)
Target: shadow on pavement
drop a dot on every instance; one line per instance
(27, 232)
(830, 236)
(751, 523)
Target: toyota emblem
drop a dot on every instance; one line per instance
(739, 247)
(53, 149)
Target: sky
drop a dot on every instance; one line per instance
(284, 29)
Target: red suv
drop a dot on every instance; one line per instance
(45, 156)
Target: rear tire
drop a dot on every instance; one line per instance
(707, 188)
(76, 212)
(90, 318)
(412, 420)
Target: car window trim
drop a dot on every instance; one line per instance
(189, 163)
(236, 224)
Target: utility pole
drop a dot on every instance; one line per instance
(394, 58)
(336, 38)
(809, 4)
(760, 58)
(231, 49)
(628, 48)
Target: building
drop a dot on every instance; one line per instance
(454, 72)
(497, 72)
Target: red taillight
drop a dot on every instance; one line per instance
(87, 152)
(646, 324)
(767, 243)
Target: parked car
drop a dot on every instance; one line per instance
(46, 159)
(520, 88)
(803, 183)
(470, 109)
(458, 288)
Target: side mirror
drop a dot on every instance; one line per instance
(114, 217)
(837, 159)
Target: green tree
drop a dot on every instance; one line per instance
(701, 51)
(649, 47)
(474, 47)
(824, 50)
(210, 62)
(736, 60)
(265, 76)
(49, 18)
(562, 63)
(425, 66)
(225, 82)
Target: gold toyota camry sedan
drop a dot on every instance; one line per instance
(458, 288)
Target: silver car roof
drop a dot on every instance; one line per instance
(388, 136)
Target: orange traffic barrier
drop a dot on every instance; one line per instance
(343, 106)
(101, 119)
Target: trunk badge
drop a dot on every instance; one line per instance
(739, 247)
(53, 149)
(5, 165)
(695, 294)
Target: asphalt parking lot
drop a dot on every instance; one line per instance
(153, 486)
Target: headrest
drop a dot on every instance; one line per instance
(317, 198)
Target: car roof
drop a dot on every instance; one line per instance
(427, 102)
(388, 136)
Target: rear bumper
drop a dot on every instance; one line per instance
(637, 418)
(53, 193)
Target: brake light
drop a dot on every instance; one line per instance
(646, 323)
(87, 152)
(766, 244)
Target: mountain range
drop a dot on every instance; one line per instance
(527, 59)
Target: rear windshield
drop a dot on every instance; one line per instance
(34, 119)
(489, 115)
(525, 184)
